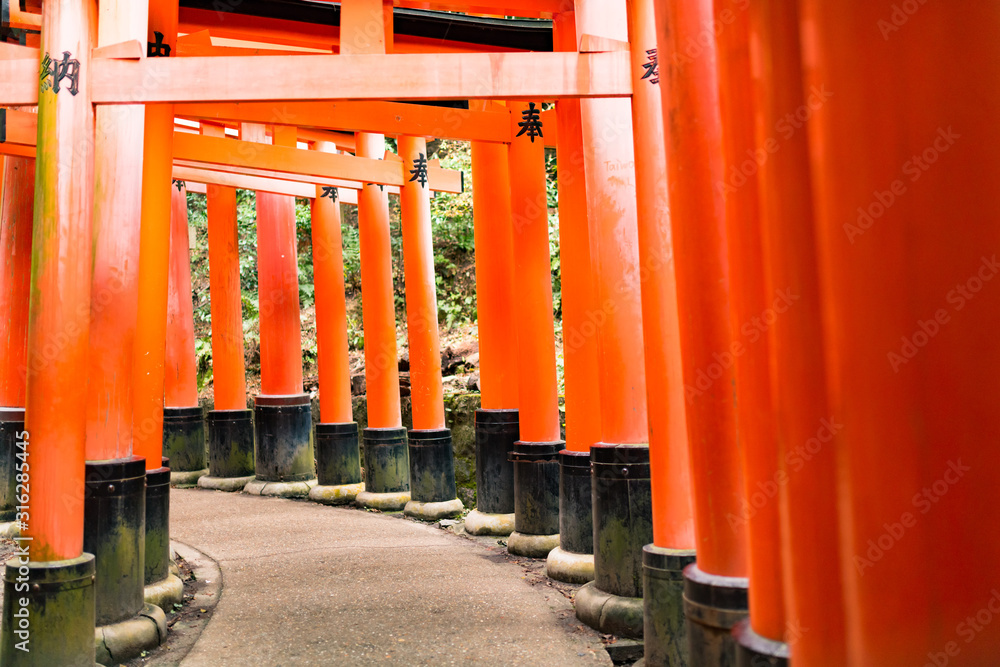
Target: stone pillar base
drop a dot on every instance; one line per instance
(165, 593)
(340, 494)
(119, 642)
(385, 502)
(259, 487)
(664, 629)
(186, 479)
(433, 511)
(230, 484)
(531, 546)
(483, 523)
(569, 567)
(610, 614)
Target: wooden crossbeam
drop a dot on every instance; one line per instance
(259, 160)
(192, 175)
(504, 76)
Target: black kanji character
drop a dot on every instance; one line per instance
(178, 184)
(652, 67)
(57, 70)
(329, 191)
(532, 123)
(157, 49)
(419, 170)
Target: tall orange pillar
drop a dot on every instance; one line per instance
(283, 412)
(17, 197)
(497, 420)
(689, 87)
(760, 637)
(56, 589)
(151, 314)
(433, 494)
(804, 423)
(906, 228)
(115, 505)
(536, 468)
(154, 245)
(338, 458)
(363, 30)
(621, 460)
(183, 419)
(672, 547)
(573, 559)
(229, 422)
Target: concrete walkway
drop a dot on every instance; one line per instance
(305, 584)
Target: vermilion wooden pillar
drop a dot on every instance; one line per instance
(664, 638)
(621, 460)
(693, 140)
(17, 195)
(338, 458)
(804, 422)
(751, 299)
(536, 474)
(363, 29)
(573, 559)
(16, 211)
(114, 521)
(62, 621)
(497, 421)
(432, 462)
(154, 245)
(183, 420)
(284, 453)
(230, 422)
(906, 227)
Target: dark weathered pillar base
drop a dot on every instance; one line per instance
(11, 425)
(664, 627)
(230, 450)
(433, 495)
(284, 446)
(59, 626)
(338, 464)
(157, 549)
(573, 560)
(184, 444)
(496, 433)
(387, 470)
(752, 650)
(536, 498)
(712, 606)
(610, 614)
(114, 530)
(122, 641)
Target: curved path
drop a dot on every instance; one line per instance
(305, 584)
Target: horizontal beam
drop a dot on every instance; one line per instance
(391, 118)
(425, 76)
(444, 76)
(276, 186)
(310, 181)
(247, 154)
